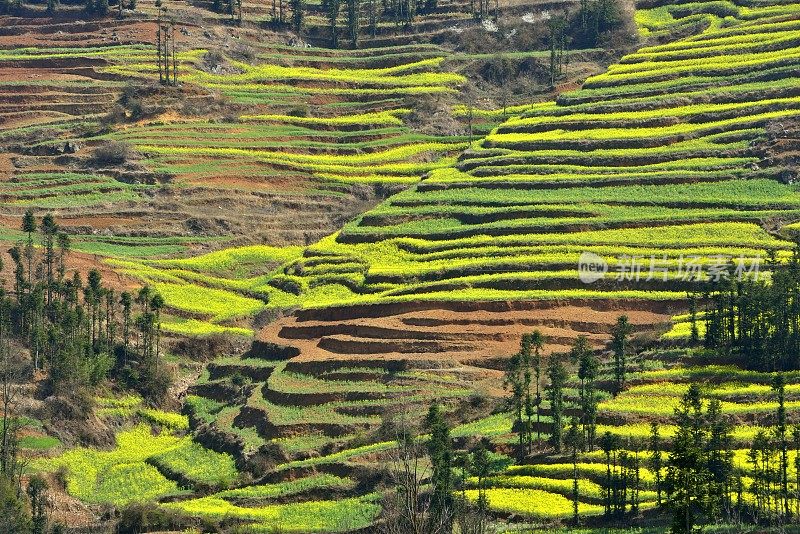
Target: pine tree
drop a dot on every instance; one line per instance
(588, 367)
(372, 15)
(63, 251)
(796, 443)
(537, 341)
(694, 335)
(333, 16)
(38, 504)
(656, 459)
(126, 302)
(609, 444)
(156, 304)
(557, 375)
(575, 443)
(514, 383)
(441, 456)
(779, 387)
(297, 15)
(353, 21)
(720, 461)
(49, 234)
(619, 344)
(687, 467)
(29, 227)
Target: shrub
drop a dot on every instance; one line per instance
(12, 510)
(146, 517)
(112, 153)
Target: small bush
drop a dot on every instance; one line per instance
(112, 153)
(131, 100)
(146, 517)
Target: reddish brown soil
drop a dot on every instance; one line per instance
(453, 332)
(69, 32)
(83, 263)
(285, 182)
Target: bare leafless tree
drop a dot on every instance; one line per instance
(406, 507)
(470, 520)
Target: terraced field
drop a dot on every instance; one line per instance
(662, 164)
(265, 142)
(278, 138)
(427, 292)
(355, 135)
(657, 168)
(664, 179)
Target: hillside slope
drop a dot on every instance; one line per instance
(439, 281)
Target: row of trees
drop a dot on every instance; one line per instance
(77, 332)
(92, 7)
(752, 319)
(526, 371)
(694, 475)
(359, 14)
(166, 51)
(700, 480)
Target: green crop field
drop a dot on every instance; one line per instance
(152, 459)
(653, 170)
(347, 239)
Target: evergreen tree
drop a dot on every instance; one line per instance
(537, 341)
(514, 383)
(333, 16)
(557, 376)
(609, 444)
(518, 380)
(157, 304)
(29, 227)
(779, 387)
(796, 443)
(353, 21)
(694, 335)
(372, 16)
(297, 15)
(15, 518)
(687, 476)
(441, 456)
(37, 488)
(588, 367)
(63, 251)
(619, 344)
(720, 461)
(575, 443)
(49, 234)
(656, 459)
(126, 302)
